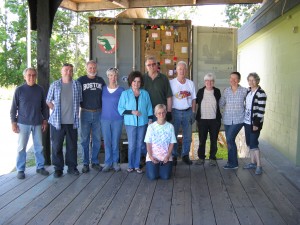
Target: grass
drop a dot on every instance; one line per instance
(222, 152)
(222, 148)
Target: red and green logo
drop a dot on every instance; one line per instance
(107, 43)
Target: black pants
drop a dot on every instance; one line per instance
(57, 140)
(212, 127)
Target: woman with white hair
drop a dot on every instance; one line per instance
(111, 120)
(254, 117)
(208, 118)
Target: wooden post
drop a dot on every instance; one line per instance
(43, 60)
(42, 14)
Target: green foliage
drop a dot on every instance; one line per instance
(238, 14)
(172, 12)
(68, 43)
(12, 42)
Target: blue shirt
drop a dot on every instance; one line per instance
(54, 96)
(233, 105)
(110, 104)
(127, 102)
(29, 105)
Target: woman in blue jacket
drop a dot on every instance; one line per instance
(136, 107)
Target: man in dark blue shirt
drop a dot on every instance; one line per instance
(91, 107)
(29, 114)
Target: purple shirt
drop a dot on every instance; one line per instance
(110, 104)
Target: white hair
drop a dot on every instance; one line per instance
(209, 76)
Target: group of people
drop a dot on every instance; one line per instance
(240, 107)
(153, 109)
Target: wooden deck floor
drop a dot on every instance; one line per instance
(194, 195)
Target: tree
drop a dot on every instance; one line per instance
(177, 13)
(12, 42)
(239, 14)
(68, 43)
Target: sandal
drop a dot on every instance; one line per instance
(129, 170)
(138, 170)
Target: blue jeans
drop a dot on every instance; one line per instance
(111, 132)
(231, 131)
(57, 140)
(158, 170)
(251, 137)
(135, 137)
(24, 134)
(144, 147)
(90, 125)
(183, 118)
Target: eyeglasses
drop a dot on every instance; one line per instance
(153, 64)
(161, 113)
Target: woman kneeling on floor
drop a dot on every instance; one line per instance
(160, 139)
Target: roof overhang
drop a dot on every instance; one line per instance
(96, 5)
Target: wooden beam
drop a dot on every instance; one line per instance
(96, 6)
(156, 3)
(67, 4)
(222, 2)
(121, 3)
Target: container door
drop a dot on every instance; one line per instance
(115, 49)
(214, 51)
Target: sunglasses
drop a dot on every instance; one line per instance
(113, 69)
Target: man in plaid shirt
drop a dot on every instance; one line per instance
(64, 99)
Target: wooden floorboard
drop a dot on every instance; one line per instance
(62, 198)
(98, 206)
(122, 200)
(285, 208)
(181, 208)
(196, 195)
(159, 212)
(11, 176)
(264, 207)
(18, 188)
(202, 208)
(242, 205)
(73, 211)
(223, 208)
(9, 184)
(291, 192)
(36, 211)
(137, 212)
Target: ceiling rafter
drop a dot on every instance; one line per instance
(121, 3)
(96, 5)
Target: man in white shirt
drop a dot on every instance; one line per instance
(183, 110)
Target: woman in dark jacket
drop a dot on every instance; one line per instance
(208, 118)
(254, 117)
